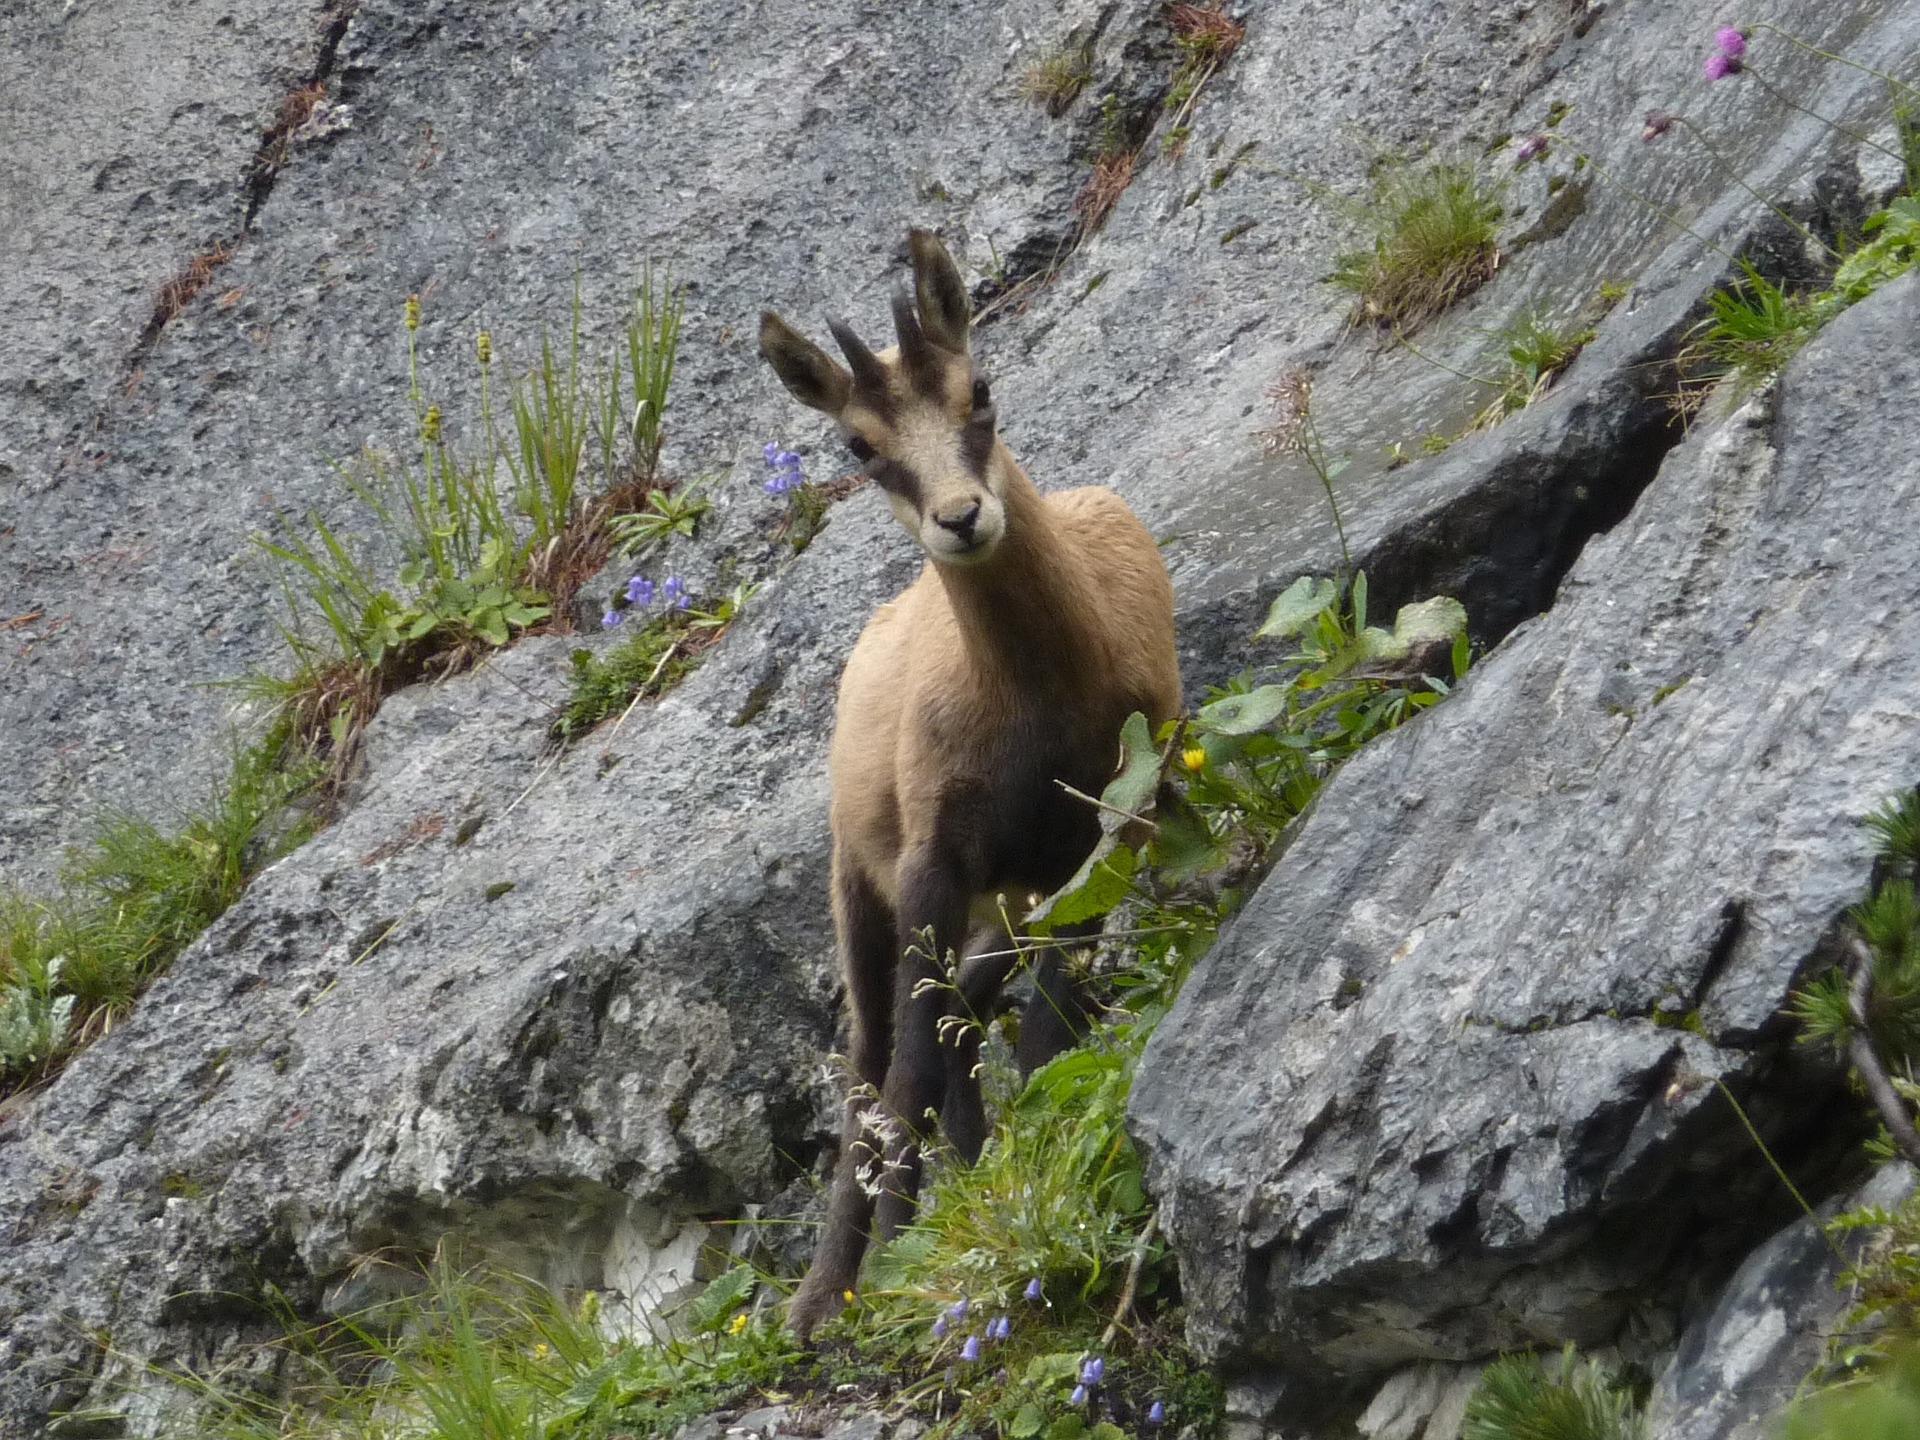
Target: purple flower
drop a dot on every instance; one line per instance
(640, 591)
(611, 619)
(940, 1328)
(1079, 1396)
(1659, 122)
(999, 1328)
(1157, 1413)
(1732, 43)
(1093, 1371)
(674, 595)
(1001, 1377)
(1531, 148)
(785, 466)
(1719, 66)
(1033, 1290)
(958, 1310)
(970, 1351)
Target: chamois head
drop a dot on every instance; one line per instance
(916, 416)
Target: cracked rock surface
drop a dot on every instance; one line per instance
(1478, 1008)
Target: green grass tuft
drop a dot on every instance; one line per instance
(1527, 1397)
(1056, 79)
(1430, 241)
(131, 900)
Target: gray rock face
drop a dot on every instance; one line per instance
(1738, 1366)
(382, 1043)
(1419, 1103)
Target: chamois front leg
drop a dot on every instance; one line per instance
(934, 897)
(867, 931)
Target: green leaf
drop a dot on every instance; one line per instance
(1244, 714)
(1107, 1430)
(709, 1312)
(1100, 884)
(1132, 789)
(1053, 1368)
(1026, 1422)
(492, 627)
(1067, 1427)
(1103, 880)
(1296, 607)
(1422, 623)
(412, 573)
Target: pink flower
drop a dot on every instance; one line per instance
(1732, 43)
(1531, 148)
(1720, 65)
(1658, 123)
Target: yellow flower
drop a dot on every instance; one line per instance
(413, 312)
(739, 1323)
(847, 1295)
(1194, 758)
(540, 1350)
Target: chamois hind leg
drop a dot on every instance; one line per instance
(933, 898)
(867, 930)
(963, 1115)
(1055, 1019)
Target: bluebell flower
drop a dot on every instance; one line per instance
(958, 1310)
(611, 619)
(785, 465)
(970, 1351)
(674, 595)
(1092, 1372)
(1157, 1413)
(640, 591)
(1079, 1396)
(940, 1328)
(999, 1328)
(1033, 1290)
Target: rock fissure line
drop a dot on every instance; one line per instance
(263, 171)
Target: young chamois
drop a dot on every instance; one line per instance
(1009, 665)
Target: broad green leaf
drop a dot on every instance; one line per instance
(1103, 880)
(1244, 714)
(1067, 1427)
(1132, 789)
(1359, 594)
(1026, 1422)
(492, 627)
(1100, 884)
(1296, 607)
(1422, 623)
(1050, 1369)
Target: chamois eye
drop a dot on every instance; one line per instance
(982, 397)
(862, 451)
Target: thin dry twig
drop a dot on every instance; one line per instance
(1134, 1263)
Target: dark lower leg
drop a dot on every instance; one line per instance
(963, 1116)
(867, 931)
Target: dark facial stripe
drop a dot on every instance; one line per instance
(896, 479)
(976, 443)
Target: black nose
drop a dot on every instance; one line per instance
(961, 525)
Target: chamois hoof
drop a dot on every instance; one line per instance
(811, 1307)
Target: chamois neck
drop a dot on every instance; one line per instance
(1023, 613)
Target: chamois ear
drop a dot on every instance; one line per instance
(810, 375)
(945, 310)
